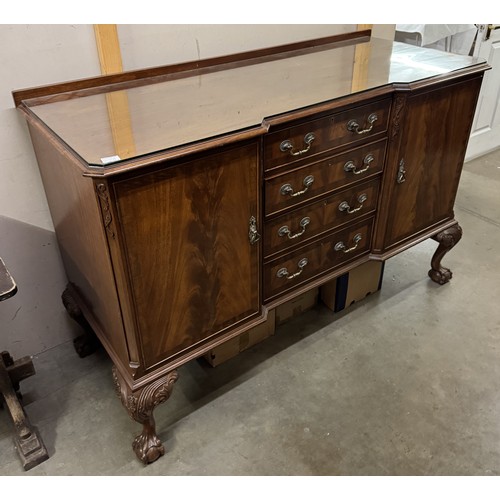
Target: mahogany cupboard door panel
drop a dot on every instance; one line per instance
(431, 155)
(192, 267)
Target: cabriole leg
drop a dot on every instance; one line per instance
(86, 343)
(447, 239)
(140, 406)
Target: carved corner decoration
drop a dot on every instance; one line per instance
(140, 406)
(447, 239)
(102, 192)
(399, 105)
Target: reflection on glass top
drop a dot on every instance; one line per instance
(106, 128)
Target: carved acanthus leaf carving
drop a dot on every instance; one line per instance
(102, 192)
(449, 237)
(397, 116)
(153, 395)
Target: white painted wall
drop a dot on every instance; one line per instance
(156, 44)
(33, 55)
(385, 31)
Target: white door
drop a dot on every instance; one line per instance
(485, 135)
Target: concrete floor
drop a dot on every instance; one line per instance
(407, 382)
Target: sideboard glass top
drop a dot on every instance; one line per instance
(109, 127)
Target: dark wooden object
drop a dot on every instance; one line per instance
(256, 177)
(86, 343)
(28, 442)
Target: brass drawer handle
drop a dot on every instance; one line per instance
(353, 125)
(287, 189)
(288, 146)
(344, 206)
(283, 272)
(340, 245)
(253, 235)
(351, 167)
(283, 230)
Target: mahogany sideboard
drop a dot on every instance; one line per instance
(189, 200)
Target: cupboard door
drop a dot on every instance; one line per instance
(193, 270)
(432, 150)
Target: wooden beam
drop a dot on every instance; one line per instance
(108, 48)
(362, 27)
(360, 63)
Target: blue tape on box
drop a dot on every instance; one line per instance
(342, 288)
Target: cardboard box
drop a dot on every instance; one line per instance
(296, 306)
(353, 286)
(234, 346)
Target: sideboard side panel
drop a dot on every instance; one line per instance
(81, 239)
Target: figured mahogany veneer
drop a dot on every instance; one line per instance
(251, 179)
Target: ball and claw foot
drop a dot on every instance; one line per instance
(86, 344)
(148, 447)
(447, 239)
(441, 276)
(140, 405)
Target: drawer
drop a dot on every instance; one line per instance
(311, 261)
(296, 227)
(317, 136)
(315, 179)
